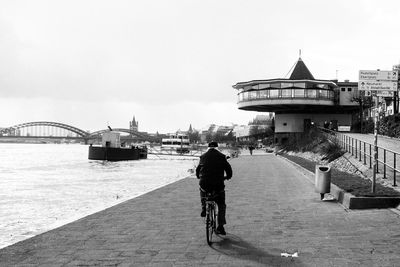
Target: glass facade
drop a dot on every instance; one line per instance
(288, 90)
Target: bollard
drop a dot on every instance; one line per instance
(322, 180)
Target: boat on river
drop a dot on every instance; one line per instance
(178, 142)
(112, 150)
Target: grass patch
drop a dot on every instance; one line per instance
(316, 142)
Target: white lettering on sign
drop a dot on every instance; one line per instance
(378, 75)
(385, 93)
(366, 85)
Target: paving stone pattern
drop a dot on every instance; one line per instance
(272, 208)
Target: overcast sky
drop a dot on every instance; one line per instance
(173, 63)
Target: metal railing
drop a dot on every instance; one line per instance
(387, 161)
(287, 93)
(173, 152)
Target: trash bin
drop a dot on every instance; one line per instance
(322, 180)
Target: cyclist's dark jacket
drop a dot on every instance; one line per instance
(211, 170)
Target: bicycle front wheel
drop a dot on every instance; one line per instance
(209, 225)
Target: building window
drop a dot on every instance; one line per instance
(274, 93)
(286, 93)
(300, 85)
(263, 94)
(299, 93)
(312, 93)
(286, 85)
(276, 85)
(323, 93)
(263, 86)
(253, 95)
(343, 89)
(310, 85)
(348, 89)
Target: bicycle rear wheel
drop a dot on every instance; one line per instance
(210, 225)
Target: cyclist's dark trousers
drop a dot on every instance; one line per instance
(220, 200)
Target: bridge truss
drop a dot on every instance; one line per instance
(56, 129)
(44, 128)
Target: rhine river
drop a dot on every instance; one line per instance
(44, 186)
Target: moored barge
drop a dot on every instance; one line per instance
(111, 149)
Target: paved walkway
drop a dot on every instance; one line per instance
(271, 209)
(383, 141)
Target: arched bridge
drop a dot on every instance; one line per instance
(56, 129)
(67, 127)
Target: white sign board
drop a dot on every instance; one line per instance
(385, 93)
(343, 128)
(378, 75)
(377, 86)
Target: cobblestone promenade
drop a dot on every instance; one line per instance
(272, 209)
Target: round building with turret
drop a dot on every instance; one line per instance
(299, 101)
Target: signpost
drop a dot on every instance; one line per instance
(378, 83)
(367, 85)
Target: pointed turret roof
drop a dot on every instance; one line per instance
(301, 72)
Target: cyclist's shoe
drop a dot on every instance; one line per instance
(203, 213)
(221, 230)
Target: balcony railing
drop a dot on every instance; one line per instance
(313, 94)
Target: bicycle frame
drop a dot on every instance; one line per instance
(211, 217)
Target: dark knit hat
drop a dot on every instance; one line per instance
(213, 144)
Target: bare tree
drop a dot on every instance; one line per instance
(364, 102)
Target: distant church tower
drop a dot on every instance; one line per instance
(134, 125)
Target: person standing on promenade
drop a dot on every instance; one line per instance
(211, 171)
(251, 148)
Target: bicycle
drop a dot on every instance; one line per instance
(211, 216)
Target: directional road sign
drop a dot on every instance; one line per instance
(377, 85)
(378, 75)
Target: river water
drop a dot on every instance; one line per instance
(44, 186)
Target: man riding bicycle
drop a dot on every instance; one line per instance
(212, 166)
